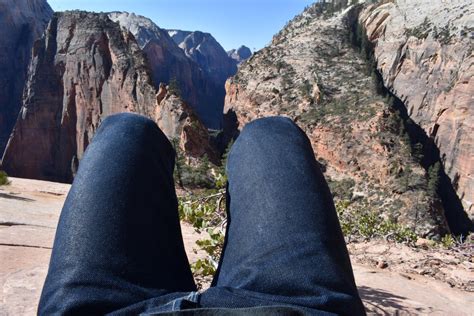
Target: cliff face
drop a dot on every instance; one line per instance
(424, 51)
(21, 23)
(207, 53)
(311, 73)
(84, 69)
(178, 121)
(169, 63)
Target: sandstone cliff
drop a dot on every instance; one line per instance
(21, 23)
(424, 51)
(179, 122)
(207, 53)
(169, 63)
(311, 73)
(84, 69)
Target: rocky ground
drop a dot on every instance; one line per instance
(29, 212)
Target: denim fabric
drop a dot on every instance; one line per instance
(252, 311)
(118, 240)
(118, 248)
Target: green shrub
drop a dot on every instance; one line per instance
(207, 215)
(174, 88)
(4, 178)
(448, 241)
(341, 189)
(305, 89)
(444, 35)
(397, 232)
(368, 224)
(206, 212)
(197, 175)
(421, 31)
(280, 65)
(203, 267)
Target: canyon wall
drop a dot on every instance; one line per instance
(169, 64)
(84, 68)
(313, 74)
(21, 23)
(424, 52)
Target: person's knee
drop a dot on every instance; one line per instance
(134, 126)
(128, 119)
(270, 134)
(270, 127)
(131, 123)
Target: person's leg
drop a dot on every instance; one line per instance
(284, 244)
(118, 240)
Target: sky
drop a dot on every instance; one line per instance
(232, 22)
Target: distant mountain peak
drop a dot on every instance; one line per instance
(204, 49)
(143, 28)
(240, 54)
(168, 61)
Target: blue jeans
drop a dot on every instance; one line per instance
(119, 249)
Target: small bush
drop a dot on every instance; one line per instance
(306, 89)
(196, 175)
(174, 88)
(204, 267)
(421, 31)
(206, 214)
(4, 178)
(444, 35)
(280, 65)
(448, 241)
(368, 224)
(342, 189)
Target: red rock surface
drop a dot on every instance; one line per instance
(423, 50)
(178, 121)
(84, 69)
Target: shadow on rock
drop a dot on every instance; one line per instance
(380, 302)
(13, 197)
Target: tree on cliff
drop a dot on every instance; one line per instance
(174, 88)
(433, 179)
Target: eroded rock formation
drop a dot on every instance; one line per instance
(85, 68)
(178, 121)
(169, 63)
(21, 23)
(424, 51)
(311, 73)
